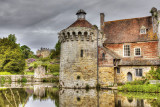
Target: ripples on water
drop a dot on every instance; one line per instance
(44, 95)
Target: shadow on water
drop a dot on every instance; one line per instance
(41, 95)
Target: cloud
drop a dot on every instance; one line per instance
(37, 22)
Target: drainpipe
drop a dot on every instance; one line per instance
(97, 58)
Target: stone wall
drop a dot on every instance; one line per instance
(30, 78)
(77, 71)
(122, 76)
(106, 76)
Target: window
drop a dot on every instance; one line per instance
(137, 51)
(126, 50)
(81, 53)
(143, 30)
(139, 72)
(118, 70)
(103, 56)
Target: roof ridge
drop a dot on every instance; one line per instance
(128, 19)
(113, 54)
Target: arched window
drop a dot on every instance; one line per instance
(103, 56)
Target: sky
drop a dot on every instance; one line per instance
(36, 23)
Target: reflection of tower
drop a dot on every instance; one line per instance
(77, 98)
(78, 61)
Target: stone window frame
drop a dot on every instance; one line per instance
(103, 56)
(118, 70)
(143, 30)
(129, 51)
(138, 69)
(82, 53)
(135, 51)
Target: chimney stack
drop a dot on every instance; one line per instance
(102, 20)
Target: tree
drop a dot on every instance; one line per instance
(12, 38)
(58, 48)
(55, 52)
(11, 57)
(25, 51)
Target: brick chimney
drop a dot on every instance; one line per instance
(102, 20)
(158, 31)
(154, 13)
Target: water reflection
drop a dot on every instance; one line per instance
(45, 95)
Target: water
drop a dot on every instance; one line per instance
(45, 95)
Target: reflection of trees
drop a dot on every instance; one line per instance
(154, 102)
(43, 94)
(12, 97)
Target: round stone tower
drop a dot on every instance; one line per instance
(78, 60)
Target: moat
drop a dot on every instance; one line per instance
(46, 95)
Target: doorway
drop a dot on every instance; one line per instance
(129, 76)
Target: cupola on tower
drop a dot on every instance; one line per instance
(78, 60)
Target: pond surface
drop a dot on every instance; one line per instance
(45, 95)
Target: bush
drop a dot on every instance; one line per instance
(56, 73)
(24, 80)
(154, 73)
(54, 68)
(137, 82)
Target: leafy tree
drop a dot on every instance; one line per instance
(154, 73)
(58, 48)
(56, 52)
(11, 58)
(26, 51)
(12, 38)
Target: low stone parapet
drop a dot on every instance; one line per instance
(154, 81)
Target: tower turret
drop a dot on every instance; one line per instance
(81, 14)
(78, 60)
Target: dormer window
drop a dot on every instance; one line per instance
(143, 30)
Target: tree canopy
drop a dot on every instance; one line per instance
(11, 58)
(12, 38)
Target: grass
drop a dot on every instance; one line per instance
(56, 73)
(150, 88)
(5, 73)
(140, 95)
(29, 73)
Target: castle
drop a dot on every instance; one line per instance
(121, 51)
(44, 52)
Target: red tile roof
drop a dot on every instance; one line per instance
(128, 30)
(81, 23)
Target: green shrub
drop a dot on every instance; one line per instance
(54, 67)
(2, 80)
(137, 82)
(35, 65)
(56, 73)
(24, 80)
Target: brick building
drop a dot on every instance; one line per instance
(126, 50)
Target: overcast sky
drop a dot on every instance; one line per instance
(37, 22)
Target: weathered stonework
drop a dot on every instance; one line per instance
(124, 70)
(78, 62)
(106, 76)
(72, 65)
(44, 52)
